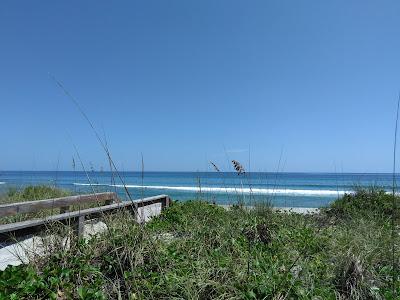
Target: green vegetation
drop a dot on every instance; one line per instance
(196, 250)
(33, 192)
(365, 202)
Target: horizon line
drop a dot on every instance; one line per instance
(152, 171)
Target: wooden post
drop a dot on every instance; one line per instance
(79, 225)
(165, 203)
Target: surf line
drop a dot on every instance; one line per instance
(230, 190)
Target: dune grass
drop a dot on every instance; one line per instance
(33, 192)
(194, 250)
(197, 250)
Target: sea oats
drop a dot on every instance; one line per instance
(238, 167)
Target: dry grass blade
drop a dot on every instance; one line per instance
(101, 142)
(394, 207)
(215, 166)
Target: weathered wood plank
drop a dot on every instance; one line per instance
(19, 229)
(34, 206)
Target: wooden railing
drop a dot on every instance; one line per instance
(63, 203)
(13, 231)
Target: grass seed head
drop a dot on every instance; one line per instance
(238, 167)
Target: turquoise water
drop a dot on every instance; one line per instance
(282, 189)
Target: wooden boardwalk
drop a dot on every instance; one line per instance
(109, 204)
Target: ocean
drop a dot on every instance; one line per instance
(281, 189)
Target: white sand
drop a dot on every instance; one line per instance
(298, 210)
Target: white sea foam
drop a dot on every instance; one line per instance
(2, 182)
(229, 190)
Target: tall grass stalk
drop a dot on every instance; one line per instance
(105, 148)
(394, 207)
(101, 142)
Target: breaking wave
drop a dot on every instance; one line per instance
(229, 190)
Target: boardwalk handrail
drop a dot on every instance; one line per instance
(63, 203)
(12, 231)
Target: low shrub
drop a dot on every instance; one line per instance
(371, 201)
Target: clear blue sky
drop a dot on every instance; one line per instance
(186, 82)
